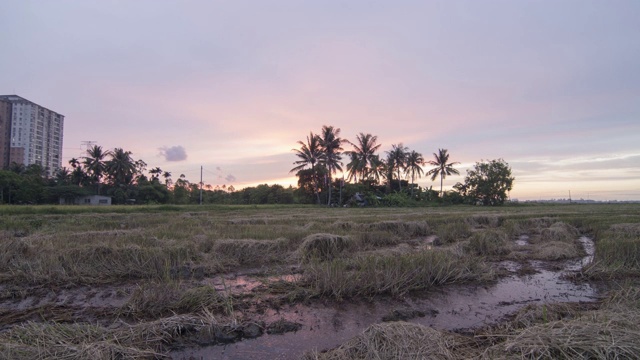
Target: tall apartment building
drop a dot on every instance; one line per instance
(30, 134)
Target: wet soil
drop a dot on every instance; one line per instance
(459, 308)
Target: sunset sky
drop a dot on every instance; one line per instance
(552, 87)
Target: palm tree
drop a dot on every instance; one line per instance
(63, 176)
(155, 173)
(94, 165)
(120, 168)
(413, 166)
(378, 168)
(310, 154)
(364, 151)
(79, 176)
(331, 146)
(442, 168)
(167, 178)
(396, 159)
(74, 163)
(353, 167)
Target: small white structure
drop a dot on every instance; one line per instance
(87, 200)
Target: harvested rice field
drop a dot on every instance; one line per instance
(299, 282)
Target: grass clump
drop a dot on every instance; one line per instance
(154, 300)
(71, 341)
(452, 232)
(556, 250)
(394, 274)
(617, 253)
(401, 228)
(485, 221)
(488, 243)
(559, 231)
(594, 335)
(248, 251)
(398, 340)
(323, 246)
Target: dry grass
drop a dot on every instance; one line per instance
(559, 231)
(251, 252)
(398, 340)
(453, 232)
(485, 221)
(392, 273)
(323, 247)
(556, 250)
(401, 228)
(342, 253)
(489, 242)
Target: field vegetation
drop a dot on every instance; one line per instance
(138, 281)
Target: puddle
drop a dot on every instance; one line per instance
(455, 308)
(523, 240)
(244, 283)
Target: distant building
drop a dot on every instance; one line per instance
(86, 200)
(30, 134)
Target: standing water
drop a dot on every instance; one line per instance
(456, 307)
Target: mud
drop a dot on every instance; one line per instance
(459, 308)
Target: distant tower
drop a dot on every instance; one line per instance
(32, 136)
(86, 145)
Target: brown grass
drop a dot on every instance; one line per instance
(254, 252)
(323, 246)
(398, 340)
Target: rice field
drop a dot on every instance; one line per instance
(147, 282)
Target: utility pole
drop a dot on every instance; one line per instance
(200, 184)
(569, 196)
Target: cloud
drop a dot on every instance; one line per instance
(230, 178)
(174, 153)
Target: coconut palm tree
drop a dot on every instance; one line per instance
(74, 163)
(94, 164)
(353, 167)
(120, 168)
(156, 172)
(378, 168)
(413, 166)
(310, 154)
(63, 176)
(364, 150)
(396, 159)
(442, 167)
(167, 178)
(331, 146)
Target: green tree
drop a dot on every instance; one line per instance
(396, 160)
(94, 164)
(413, 167)
(488, 182)
(331, 146)
(310, 154)
(9, 182)
(120, 168)
(443, 167)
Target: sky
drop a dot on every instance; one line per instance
(551, 87)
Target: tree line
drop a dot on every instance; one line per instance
(377, 180)
(385, 179)
(115, 173)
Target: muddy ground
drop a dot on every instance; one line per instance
(242, 286)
